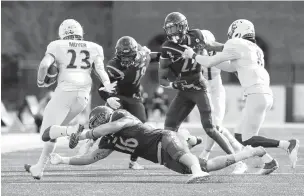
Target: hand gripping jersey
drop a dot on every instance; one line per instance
(74, 59)
(128, 78)
(141, 140)
(188, 69)
(250, 68)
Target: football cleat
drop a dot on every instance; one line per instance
(74, 138)
(292, 151)
(240, 168)
(135, 166)
(29, 169)
(55, 159)
(269, 167)
(198, 178)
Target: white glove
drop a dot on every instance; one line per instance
(113, 102)
(147, 50)
(109, 87)
(188, 53)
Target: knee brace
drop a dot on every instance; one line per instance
(46, 135)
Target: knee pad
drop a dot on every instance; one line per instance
(46, 135)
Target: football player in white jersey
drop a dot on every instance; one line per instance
(218, 101)
(242, 55)
(75, 59)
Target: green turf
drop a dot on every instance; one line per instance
(111, 176)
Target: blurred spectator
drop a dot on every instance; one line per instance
(35, 110)
(160, 102)
(145, 100)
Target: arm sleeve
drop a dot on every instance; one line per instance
(99, 66)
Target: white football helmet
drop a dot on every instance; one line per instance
(70, 28)
(241, 28)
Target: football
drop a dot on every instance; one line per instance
(52, 74)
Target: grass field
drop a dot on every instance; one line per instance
(111, 176)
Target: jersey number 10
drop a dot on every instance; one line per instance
(85, 60)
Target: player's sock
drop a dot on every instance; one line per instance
(236, 145)
(220, 139)
(191, 162)
(205, 154)
(284, 144)
(55, 131)
(238, 137)
(256, 141)
(48, 148)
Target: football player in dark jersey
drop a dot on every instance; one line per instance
(189, 81)
(127, 68)
(123, 132)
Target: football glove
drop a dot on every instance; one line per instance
(113, 102)
(109, 87)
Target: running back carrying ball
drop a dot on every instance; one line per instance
(52, 74)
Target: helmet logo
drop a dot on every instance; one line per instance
(197, 40)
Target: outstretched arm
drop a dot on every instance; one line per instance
(85, 159)
(109, 128)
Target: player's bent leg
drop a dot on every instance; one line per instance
(221, 162)
(178, 150)
(179, 109)
(204, 107)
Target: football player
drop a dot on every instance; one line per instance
(74, 59)
(127, 68)
(245, 58)
(189, 81)
(218, 96)
(123, 132)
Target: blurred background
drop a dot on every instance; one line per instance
(28, 27)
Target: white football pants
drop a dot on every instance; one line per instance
(253, 114)
(63, 107)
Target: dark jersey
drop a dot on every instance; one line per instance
(187, 69)
(141, 140)
(128, 79)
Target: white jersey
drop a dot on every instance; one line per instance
(74, 59)
(250, 68)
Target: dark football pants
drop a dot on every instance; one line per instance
(182, 105)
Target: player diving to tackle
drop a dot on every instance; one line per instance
(75, 59)
(248, 62)
(123, 132)
(189, 81)
(218, 100)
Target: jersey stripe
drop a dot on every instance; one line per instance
(121, 74)
(174, 49)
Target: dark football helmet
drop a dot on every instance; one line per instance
(99, 115)
(126, 50)
(176, 27)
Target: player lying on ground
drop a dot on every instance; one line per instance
(74, 59)
(218, 99)
(122, 132)
(247, 59)
(188, 80)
